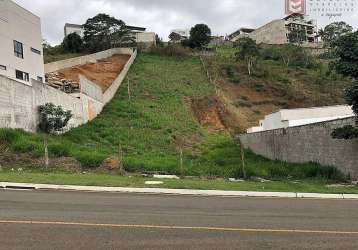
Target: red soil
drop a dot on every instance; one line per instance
(103, 72)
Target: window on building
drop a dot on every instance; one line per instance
(36, 51)
(22, 75)
(2, 67)
(40, 79)
(18, 49)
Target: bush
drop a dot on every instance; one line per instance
(90, 159)
(346, 133)
(290, 55)
(72, 43)
(173, 50)
(59, 149)
(9, 136)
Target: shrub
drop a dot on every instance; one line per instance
(59, 149)
(90, 159)
(9, 136)
(173, 50)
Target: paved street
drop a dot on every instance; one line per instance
(71, 220)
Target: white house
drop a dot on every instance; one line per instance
(139, 33)
(286, 118)
(21, 55)
(74, 28)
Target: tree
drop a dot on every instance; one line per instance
(352, 97)
(349, 132)
(103, 32)
(333, 32)
(297, 36)
(347, 51)
(53, 119)
(175, 37)
(200, 36)
(248, 52)
(72, 43)
(159, 41)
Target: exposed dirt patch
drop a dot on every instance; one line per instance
(257, 96)
(210, 111)
(103, 72)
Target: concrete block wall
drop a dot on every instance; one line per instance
(19, 102)
(310, 143)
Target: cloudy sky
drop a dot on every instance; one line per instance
(160, 16)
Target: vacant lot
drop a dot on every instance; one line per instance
(172, 108)
(103, 72)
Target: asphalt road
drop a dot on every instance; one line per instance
(71, 220)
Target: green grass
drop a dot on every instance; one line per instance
(149, 127)
(226, 52)
(309, 186)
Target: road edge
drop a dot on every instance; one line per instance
(31, 186)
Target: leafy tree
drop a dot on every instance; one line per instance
(347, 51)
(297, 36)
(352, 97)
(72, 43)
(200, 36)
(53, 119)
(289, 54)
(104, 32)
(333, 32)
(248, 52)
(175, 37)
(159, 41)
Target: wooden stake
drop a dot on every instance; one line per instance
(243, 160)
(129, 91)
(182, 174)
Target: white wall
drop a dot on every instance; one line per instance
(297, 117)
(71, 29)
(19, 102)
(18, 24)
(146, 37)
(92, 58)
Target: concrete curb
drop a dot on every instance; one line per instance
(30, 186)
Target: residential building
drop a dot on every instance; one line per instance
(242, 32)
(178, 35)
(278, 31)
(74, 28)
(21, 55)
(286, 118)
(139, 33)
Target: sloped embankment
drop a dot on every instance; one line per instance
(165, 105)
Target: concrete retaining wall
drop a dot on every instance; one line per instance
(56, 66)
(310, 143)
(112, 90)
(89, 88)
(19, 102)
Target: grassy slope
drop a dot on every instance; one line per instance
(273, 86)
(150, 127)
